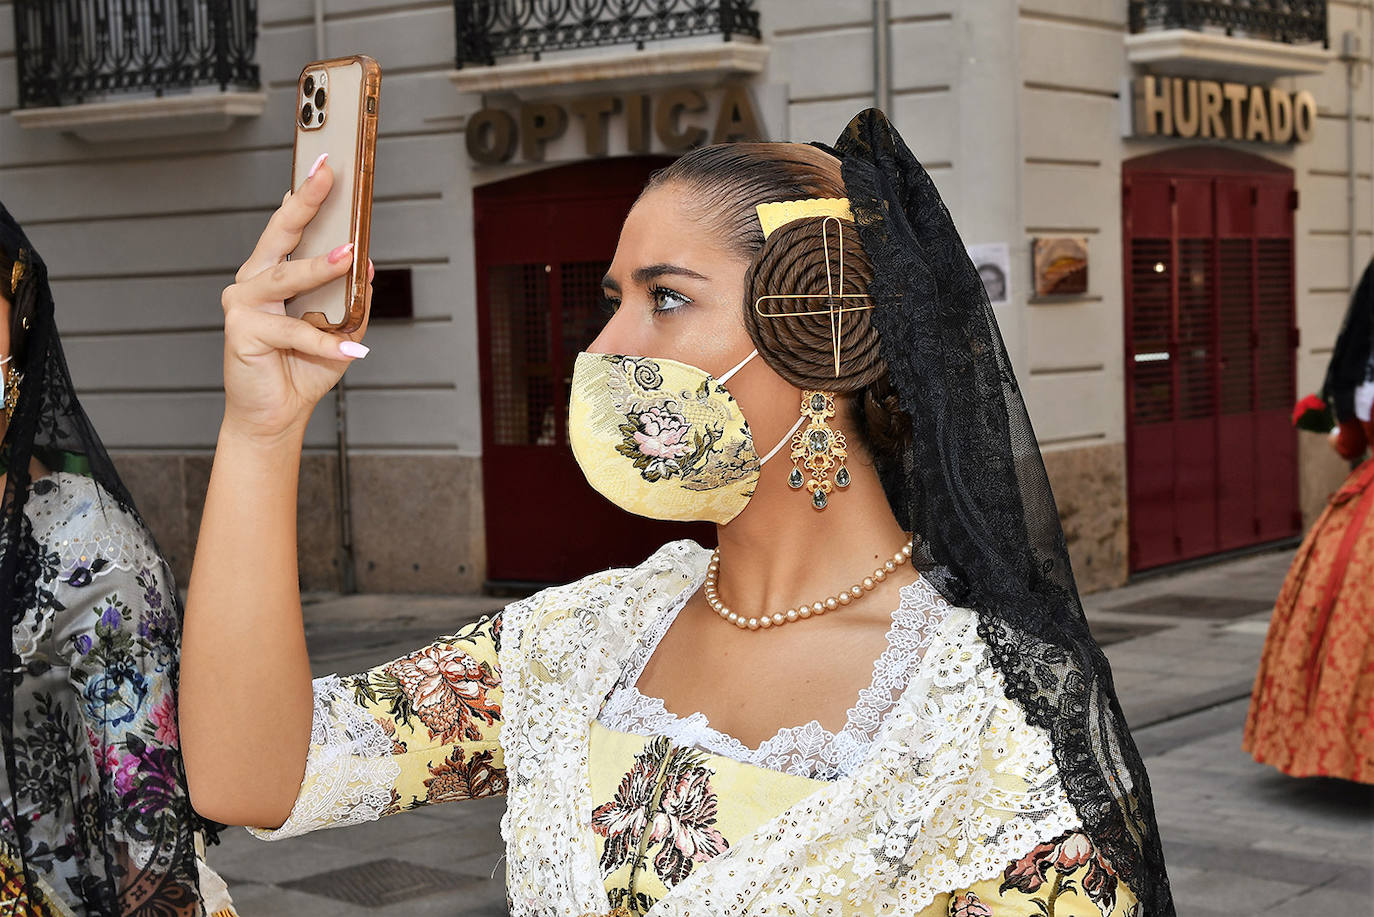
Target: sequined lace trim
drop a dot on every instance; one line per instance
(809, 750)
(350, 769)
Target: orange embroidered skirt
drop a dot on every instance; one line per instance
(1312, 708)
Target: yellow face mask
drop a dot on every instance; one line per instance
(663, 439)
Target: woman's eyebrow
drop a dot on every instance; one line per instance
(643, 275)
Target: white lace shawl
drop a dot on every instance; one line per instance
(74, 522)
(957, 784)
(809, 750)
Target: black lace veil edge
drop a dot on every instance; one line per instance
(1349, 364)
(49, 423)
(974, 491)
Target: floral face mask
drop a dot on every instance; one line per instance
(663, 439)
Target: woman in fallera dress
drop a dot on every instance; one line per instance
(877, 696)
(1312, 708)
(95, 818)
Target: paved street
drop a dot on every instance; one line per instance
(1240, 838)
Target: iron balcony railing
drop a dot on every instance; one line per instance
(1288, 21)
(488, 29)
(72, 51)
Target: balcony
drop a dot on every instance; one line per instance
(117, 69)
(508, 40)
(1244, 40)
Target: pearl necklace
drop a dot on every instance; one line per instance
(844, 597)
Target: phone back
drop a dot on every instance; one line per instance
(344, 126)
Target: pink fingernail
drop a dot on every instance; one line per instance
(340, 253)
(353, 349)
(316, 167)
(371, 270)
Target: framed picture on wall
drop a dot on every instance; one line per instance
(1060, 265)
(993, 261)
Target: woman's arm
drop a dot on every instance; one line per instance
(245, 677)
(419, 730)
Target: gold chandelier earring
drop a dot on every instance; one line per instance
(820, 448)
(11, 389)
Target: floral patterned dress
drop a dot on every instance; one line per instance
(95, 708)
(645, 820)
(1312, 707)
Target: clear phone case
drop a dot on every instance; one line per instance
(336, 113)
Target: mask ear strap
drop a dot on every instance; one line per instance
(738, 366)
(785, 440)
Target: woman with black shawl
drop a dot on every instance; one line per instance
(896, 584)
(1312, 708)
(96, 818)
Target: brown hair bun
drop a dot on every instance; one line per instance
(800, 348)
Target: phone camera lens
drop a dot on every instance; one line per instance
(307, 114)
(319, 98)
(309, 88)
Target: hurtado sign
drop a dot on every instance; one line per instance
(671, 121)
(1181, 107)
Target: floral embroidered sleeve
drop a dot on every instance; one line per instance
(1062, 877)
(116, 630)
(419, 730)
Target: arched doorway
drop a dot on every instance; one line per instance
(1211, 343)
(543, 243)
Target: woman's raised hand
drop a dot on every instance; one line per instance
(277, 367)
(245, 700)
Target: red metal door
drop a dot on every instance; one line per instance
(1210, 349)
(543, 243)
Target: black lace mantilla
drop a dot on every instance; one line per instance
(974, 491)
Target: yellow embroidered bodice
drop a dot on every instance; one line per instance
(663, 808)
(994, 833)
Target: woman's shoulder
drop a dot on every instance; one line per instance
(676, 566)
(683, 559)
(81, 522)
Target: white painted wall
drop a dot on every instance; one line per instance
(1012, 106)
(1073, 61)
(141, 236)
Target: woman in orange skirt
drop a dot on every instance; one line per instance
(1312, 708)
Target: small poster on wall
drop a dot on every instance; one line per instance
(1061, 265)
(993, 261)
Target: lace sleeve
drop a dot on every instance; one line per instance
(350, 771)
(419, 730)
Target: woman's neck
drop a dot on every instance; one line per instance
(781, 550)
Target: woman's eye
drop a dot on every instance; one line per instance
(666, 300)
(609, 306)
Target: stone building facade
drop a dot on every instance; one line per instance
(1029, 115)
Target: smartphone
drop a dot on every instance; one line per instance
(336, 113)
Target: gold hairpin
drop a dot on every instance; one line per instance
(834, 294)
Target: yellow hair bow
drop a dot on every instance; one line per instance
(780, 213)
